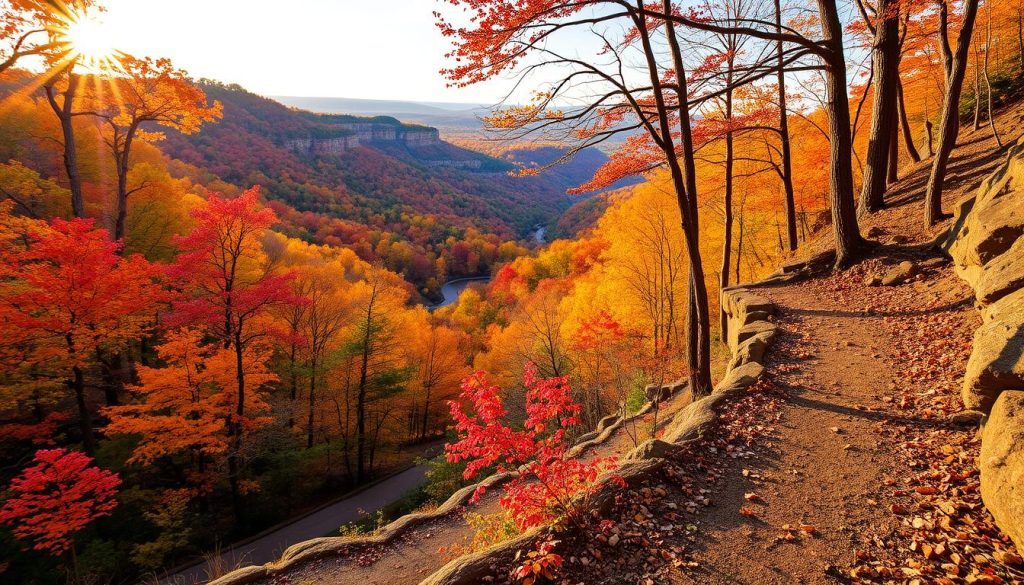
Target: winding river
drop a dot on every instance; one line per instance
(453, 288)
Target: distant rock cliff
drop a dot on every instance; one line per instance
(322, 145)
(338, 134)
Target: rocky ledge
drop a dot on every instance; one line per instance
(987, 247)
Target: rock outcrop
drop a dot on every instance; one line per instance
(986, 244)
(353, 134)
(321, 146)
(747, 315)
(1002, 464)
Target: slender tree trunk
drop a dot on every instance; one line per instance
(727, 204)
(988, 78)
(123, 165)
(739, 246)
(929, 137)
(361, 399)
(977, 89)
(426, 412)
(849, 243)
(84, 418)
(77, 384)
(65, 113)
(698, 317)
(944, 48)
(1020, 35)
(893, 166)
(293, 382)
(883, 115)
(234, 457)
(787, 156)
(950, 125)
(908, 135)
(311, 417)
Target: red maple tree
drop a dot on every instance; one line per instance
(550, 483)
(56, 497)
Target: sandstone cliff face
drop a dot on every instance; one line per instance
(332, 146)
(408, 135)
(365, 134)
(988, 252)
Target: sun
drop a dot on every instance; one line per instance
(89, 41)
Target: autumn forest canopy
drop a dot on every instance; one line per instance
(219, 312)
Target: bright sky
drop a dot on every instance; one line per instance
(376, 49)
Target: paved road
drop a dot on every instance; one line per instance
(320, 523)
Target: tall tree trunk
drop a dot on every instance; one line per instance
(787, 156)
(944, 48)
(311, 417)
(65, 113)
(361, 396)
(235, 429)
(883, 115)
(977, 88)
(950, 125)
(908, 135)
(293, 381)
(1020, 35)
(723, 281)
(77, 384)
(122, 166)
(893, 166)
(84, 418)
(698, 319)
(739, 246)
(988, 78)
(848, 241)
(426, 412)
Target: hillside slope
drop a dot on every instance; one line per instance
(372, 183)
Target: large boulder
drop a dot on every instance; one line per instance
(995, 220)
(1002, 464)
(1003, 274)
(997, 356)
(743, 308)
(740, 335)
(751, 350)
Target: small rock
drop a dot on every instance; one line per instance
(967, 418)
(613, 540)
(900, 273)
(872, 280)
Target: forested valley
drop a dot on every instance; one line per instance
(219, 312)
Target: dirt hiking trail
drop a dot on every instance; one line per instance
(852, 461)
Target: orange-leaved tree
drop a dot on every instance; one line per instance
(185, 406)
(145, 92)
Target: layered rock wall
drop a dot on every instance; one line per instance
(987, 248)
(366, 133)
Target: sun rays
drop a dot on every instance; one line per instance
(80, 44)
(88, 41)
